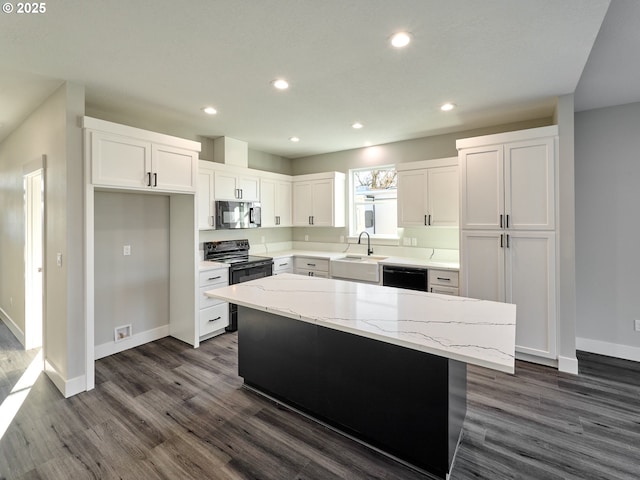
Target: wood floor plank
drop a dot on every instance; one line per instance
(165, 410)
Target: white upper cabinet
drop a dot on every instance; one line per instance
(319, 200)
(204, 195)
(511, 185)
(230, 185)
(131, 158)
(428, 193)
(174, 169)
(275, 201)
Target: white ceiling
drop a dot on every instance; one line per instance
(500, 61)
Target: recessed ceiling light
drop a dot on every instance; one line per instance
(294, 139)
(209, 110)
(400, 39)
(280, 84)
(447, 107)
(357, 125)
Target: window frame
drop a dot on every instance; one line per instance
(377, 238)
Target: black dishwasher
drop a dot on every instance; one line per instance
(405, 277)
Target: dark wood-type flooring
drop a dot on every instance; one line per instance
(167, 411)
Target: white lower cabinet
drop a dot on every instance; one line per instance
(213, 314)
(444, 282)
(518, 268)
(311, 267)
(282, 265)
(213, 320)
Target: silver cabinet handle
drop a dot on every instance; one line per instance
(501, 239)
(425, 220)
(443, 278)
(508, 240)
(214, 319)
(148, 179)
(283, 264)
(500, 220)
(215, 278)
(507, 220)
(311, 264)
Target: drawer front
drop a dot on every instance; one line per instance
(443, 277)
(205, 301)
(311, 273)
(283, 265)
(318, 264)
(444, 290)
(214, 318)
(214, 277)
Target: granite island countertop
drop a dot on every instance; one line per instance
(473, 331)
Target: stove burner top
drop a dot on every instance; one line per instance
(233, 252)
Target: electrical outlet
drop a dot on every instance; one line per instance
(414, 242)
(637, 325)
(59, 259)
(306, 238)
(126, 250)
(406, 241)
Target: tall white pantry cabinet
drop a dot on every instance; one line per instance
(508, 237)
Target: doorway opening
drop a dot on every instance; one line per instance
(34, 258)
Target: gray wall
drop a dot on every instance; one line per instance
(51, 130)
(608, 227)
(131, 289)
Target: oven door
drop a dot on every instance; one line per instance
(245, 273)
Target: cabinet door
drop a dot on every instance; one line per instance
(120, 161)
(530, 184)
(205, 199)
(482, 265)
(442, 191)
(302, 210)
(531, 286)
(283, 203)
(249, 188)
(322, 203)
(174, 169)
(225, 186)
(482, 187)
(268, 202)
(412, 198)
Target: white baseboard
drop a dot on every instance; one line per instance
(68, 388)
(626, 352)
(11, 325)
(568, 365)
(135, 340)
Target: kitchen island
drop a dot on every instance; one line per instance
(383, 365)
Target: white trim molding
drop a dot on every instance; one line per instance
(568, 365)
(11, 325)
(136, 340)
(68, 388)
(625, 352)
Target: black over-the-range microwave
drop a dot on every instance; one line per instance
(236, 214)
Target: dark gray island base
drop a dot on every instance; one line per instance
(403, 402)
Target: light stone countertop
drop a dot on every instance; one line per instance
(209, 265)
(478, 332)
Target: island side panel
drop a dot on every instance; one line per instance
(278, 356)
(394, 398)
(391, 397)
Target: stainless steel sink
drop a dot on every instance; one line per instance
(362, 268)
